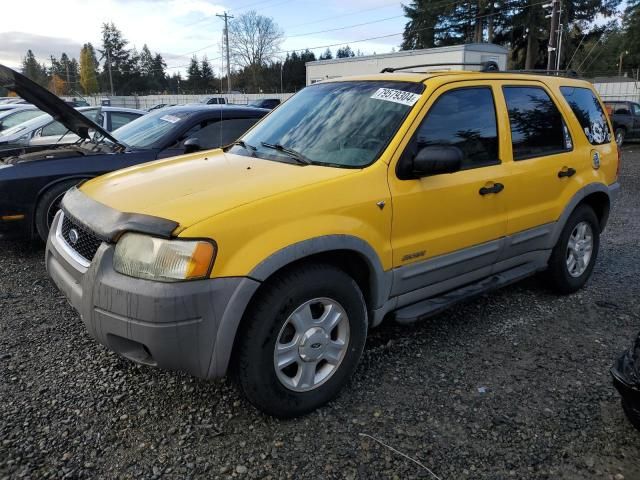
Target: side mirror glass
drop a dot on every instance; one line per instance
(192, 145)
(436, 160)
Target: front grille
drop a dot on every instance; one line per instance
(86, 243)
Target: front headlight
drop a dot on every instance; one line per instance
(163, 260)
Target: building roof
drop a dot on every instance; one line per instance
(474, 47)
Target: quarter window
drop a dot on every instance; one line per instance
(537, 126)
(589, 113)
(464, 118)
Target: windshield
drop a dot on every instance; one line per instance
(150, 130)
(17, 117)
(27, 126)
(342, 124)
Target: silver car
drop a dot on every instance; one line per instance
(18, 115)
(44, 130)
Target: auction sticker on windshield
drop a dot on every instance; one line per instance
(396, 96)
(170, 118)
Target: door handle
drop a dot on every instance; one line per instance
(495, 188)
(566, 172)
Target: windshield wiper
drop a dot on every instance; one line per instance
(297, 156)
(244, 145)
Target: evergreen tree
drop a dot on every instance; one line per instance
(327, 55)
(345, 52)
(206, 73)
(519, 24)
(194, 75)
(115, 56)
(33, 70)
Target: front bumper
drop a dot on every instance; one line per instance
(188, 326)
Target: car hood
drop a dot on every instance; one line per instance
(191, 188)
(50, 103)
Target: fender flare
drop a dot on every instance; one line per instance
(379, 280)
(610, 190)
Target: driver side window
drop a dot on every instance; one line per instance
(463, 118)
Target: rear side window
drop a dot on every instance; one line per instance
(537, 126)
(587, 109)
(220, 133)
(464, 118)
(120, 119)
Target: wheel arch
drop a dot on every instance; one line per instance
(350, 254)
(598, 196)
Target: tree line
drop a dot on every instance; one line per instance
(116, 68)
(523, 27)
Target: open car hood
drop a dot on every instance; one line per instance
(46, 101)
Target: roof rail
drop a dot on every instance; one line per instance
(489, 66)
(542, 71)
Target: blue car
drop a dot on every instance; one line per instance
(33, 183)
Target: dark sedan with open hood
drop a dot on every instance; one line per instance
(32, 184)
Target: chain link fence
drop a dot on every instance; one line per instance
(145, 102)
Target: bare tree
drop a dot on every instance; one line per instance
(254, 40)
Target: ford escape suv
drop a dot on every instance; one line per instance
(359, 199)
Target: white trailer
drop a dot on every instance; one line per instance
(469, 53)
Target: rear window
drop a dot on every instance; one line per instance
(587, 109)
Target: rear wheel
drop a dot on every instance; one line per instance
(49, 205)
(301, 340)
(620, 134)
(575, 253)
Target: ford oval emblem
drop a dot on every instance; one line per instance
(73, 236)
(316, 345)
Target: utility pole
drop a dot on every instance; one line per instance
(622, 54)
(226, 41)
(553, 34)
(110, 77)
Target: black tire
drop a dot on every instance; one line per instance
(620, 133)
(48, 206)
(632, 412)
(557, 274)
(254, 365)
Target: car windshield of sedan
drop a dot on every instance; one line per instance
(150, 130)
(339, 124)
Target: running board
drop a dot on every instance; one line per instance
(431, 306)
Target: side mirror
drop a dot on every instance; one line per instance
(192, 145)
(437, 159)
(37, 133)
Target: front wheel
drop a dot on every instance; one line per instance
(575, 253)
(301, 340)
(619, 134)
(48, 206)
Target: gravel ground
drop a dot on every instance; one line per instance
(513, 385)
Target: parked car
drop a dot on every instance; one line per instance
(626, 378)
(33, 184)
(625, 117)
(75, 102)
(16, 116)
(269, 103)
(214, 101)
(395, 194)
(45, 131)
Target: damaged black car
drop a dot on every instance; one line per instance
(32, 182)
(626, 379)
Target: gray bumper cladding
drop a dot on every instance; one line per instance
(188, 326)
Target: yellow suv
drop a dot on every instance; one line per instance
(362, 198)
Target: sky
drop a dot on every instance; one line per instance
(179, 28)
